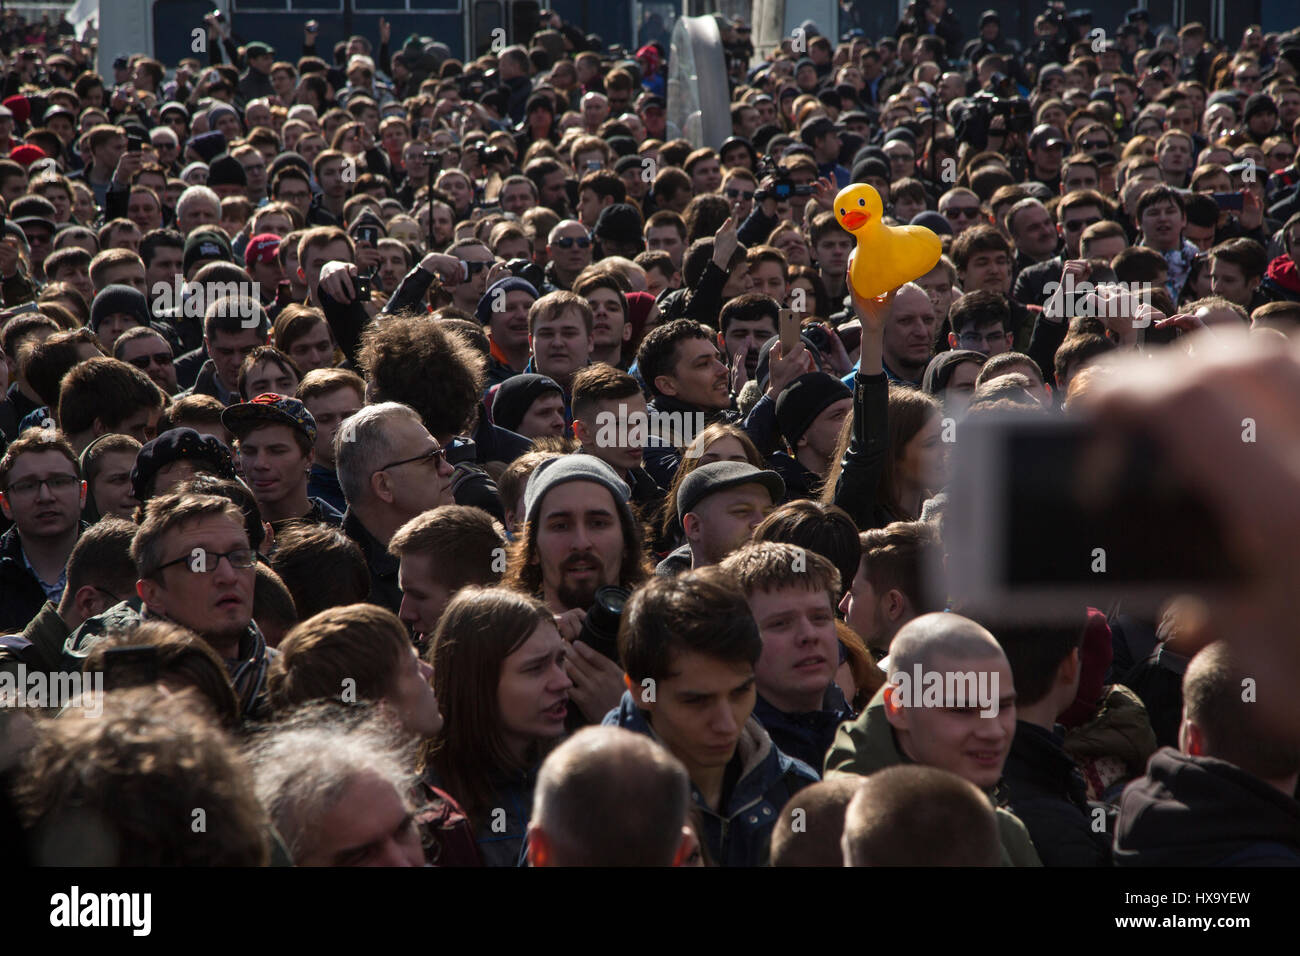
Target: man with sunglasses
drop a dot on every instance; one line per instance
(961, 207)
(42, 493)
(569, 249)
(148, 351)
(1074, 213)
(391, 470)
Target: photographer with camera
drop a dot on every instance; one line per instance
(579, 536)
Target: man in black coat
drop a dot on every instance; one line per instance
(1042, 785)
(1226, 796)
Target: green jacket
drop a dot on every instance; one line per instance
(45, 634)
(867, 744)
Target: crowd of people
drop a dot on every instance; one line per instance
(405, 454)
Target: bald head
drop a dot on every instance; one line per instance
(932, 639)
(609, 797)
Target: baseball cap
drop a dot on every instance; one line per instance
(1045, 134)
(261, 248)
(269, 409)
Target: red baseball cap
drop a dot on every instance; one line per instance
(261, 248)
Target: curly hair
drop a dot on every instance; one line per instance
(420, 363)
(121, 790)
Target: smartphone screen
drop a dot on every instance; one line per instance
(1229, 201)
(1046, 513)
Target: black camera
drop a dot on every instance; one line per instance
(973, 117)
(784, 187)
(362, 284)
(600, 627)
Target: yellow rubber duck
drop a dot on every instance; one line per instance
(886, 256)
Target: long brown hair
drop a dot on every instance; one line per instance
(909, 411)
(479, 630)
(524, 569)
(670, 526)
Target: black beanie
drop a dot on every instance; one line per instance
(799, 404)
(516, 395)
(1259, 103)
(225, 170)
(119, 298)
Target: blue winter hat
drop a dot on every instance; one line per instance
(483, 312)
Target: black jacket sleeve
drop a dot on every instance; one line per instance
(346, 321)
(756, 227)
(410, 292)
(858, 488)
(704, 302)
(1043, 343)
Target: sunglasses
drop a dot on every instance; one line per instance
(161, 359)
(473, 268)
(1074, 225)
(1096, 144)
(436, 454)
(962, 212)
(737, 193)
(568, 242)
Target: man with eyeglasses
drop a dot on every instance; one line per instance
(961, 207)
(569, 249)
(148, 351)
(1075, 213)
(391, 470)
(196, 568)
(42, 493)
(100, 573)
(981, 322)
(275, 439)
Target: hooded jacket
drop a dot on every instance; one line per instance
(39, 646)
(740, 834)
(1046, 791)
(1200, 811)
(868, 744)
(1113, 746)
(247, 672)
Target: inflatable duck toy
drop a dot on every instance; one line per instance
(886, 256)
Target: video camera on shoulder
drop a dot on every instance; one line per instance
(784, 188)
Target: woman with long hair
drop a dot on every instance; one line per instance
(889, 458)
(498, 673)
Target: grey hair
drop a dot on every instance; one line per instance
(608, 797)
(303, 766)
(363, 443)
(194, 194)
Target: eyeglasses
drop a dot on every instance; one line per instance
(737, 193)
(961, 212)
(437, 454)
(568, 242)
(975, 339)
(161, 359)
(1249, 77)
(202, 561)
(56, 483)
(1074, 225)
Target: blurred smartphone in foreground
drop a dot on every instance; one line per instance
(1045, 515)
